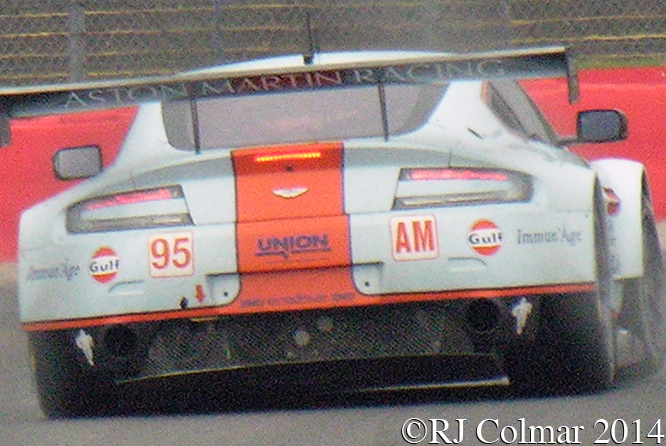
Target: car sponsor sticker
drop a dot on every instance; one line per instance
(63, 270)
(171, 254)
(560, 235)
(485, 237)
(104, 265)
(414, 237)
(286, 247)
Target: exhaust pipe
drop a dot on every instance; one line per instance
(483, 315)
(120, 341)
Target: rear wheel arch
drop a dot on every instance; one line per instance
(624, 181)
(643, 311)
(575, 347)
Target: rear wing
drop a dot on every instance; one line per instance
(16, 102)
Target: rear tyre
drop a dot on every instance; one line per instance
(581, 343)
(644, 303)
(67, 386)
(576, 335)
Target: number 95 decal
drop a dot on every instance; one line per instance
(171, 255)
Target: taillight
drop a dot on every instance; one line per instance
(452, 174)
(612, 201)
(149, 208)
(434, 187)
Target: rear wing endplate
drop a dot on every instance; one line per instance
(16, 102)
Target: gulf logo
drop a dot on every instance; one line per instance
(485, 237)
(104, 265)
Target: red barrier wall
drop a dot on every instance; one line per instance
(638, 92)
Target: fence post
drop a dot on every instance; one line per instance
(506, 17)
(77, 44)
(218, 33)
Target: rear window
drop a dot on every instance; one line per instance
(319, 115)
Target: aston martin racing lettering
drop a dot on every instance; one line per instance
(223, 87)
(485, 237)
(232, 86)
(550, 62)
(171, 255)
(414, 238)
(292, 245)
(561, 235)
(104, 265)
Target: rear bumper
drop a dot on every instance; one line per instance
(421, 344)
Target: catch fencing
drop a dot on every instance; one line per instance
(55, 41)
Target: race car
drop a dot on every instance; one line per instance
(349, 222)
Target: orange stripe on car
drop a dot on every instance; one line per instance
(261, 172)
(290, 208)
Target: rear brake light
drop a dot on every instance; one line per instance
(147, 208)
(437, 187)
(286, 156)
(452, 174)
(166, 193)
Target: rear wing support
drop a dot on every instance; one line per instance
(417, 68)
